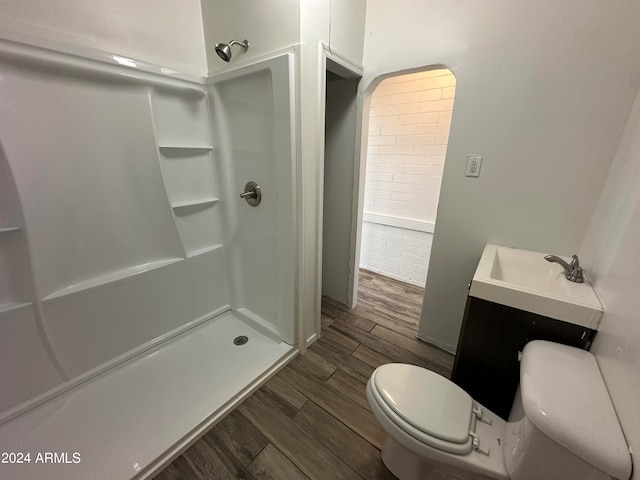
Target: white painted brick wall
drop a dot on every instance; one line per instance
(396, 252)
(408, 133)
(409, 126)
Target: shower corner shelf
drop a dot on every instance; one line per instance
(194, 203)
(9, 306)
(111, 277)
(8, 229)
(202, 251)
(183, 150)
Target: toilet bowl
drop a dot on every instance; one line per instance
(563, 424)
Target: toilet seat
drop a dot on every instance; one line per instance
(426, 406)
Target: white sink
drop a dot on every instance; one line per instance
(523, 279)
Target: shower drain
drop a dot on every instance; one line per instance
(241, 340)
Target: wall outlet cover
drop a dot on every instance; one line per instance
(473, 165)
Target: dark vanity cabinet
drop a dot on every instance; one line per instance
(489, 347)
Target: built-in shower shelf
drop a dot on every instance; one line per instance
(10, 306)
(111, 277)
(179, 151)
(202, 251)
(194, 203)
(8, 229)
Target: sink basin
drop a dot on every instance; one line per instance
(523, 279)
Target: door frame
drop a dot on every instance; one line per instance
(340, 65)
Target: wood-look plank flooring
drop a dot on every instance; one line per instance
(312, 420)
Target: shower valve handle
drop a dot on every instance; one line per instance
(252, 194)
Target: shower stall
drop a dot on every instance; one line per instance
(141, 298)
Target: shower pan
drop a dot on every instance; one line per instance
(140, 297)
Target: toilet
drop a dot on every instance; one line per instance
(562, 424)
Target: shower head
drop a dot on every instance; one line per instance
(224, 49)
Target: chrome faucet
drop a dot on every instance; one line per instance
(573, 270)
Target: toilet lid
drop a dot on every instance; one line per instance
(427, 401)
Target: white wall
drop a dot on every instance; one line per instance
(610, 251)
(155, 31)
(347, 28)
(543, 92)
(314, 31)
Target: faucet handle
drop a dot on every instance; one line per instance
(576, 270)
(575, 263)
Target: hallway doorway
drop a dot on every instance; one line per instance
(409, 123)
(385, 322)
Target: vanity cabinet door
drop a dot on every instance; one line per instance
(491, 340)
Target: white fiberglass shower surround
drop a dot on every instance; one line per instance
(128, 261)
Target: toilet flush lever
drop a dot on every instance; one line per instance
(252, 194)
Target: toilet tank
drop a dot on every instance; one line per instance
(569, 429)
